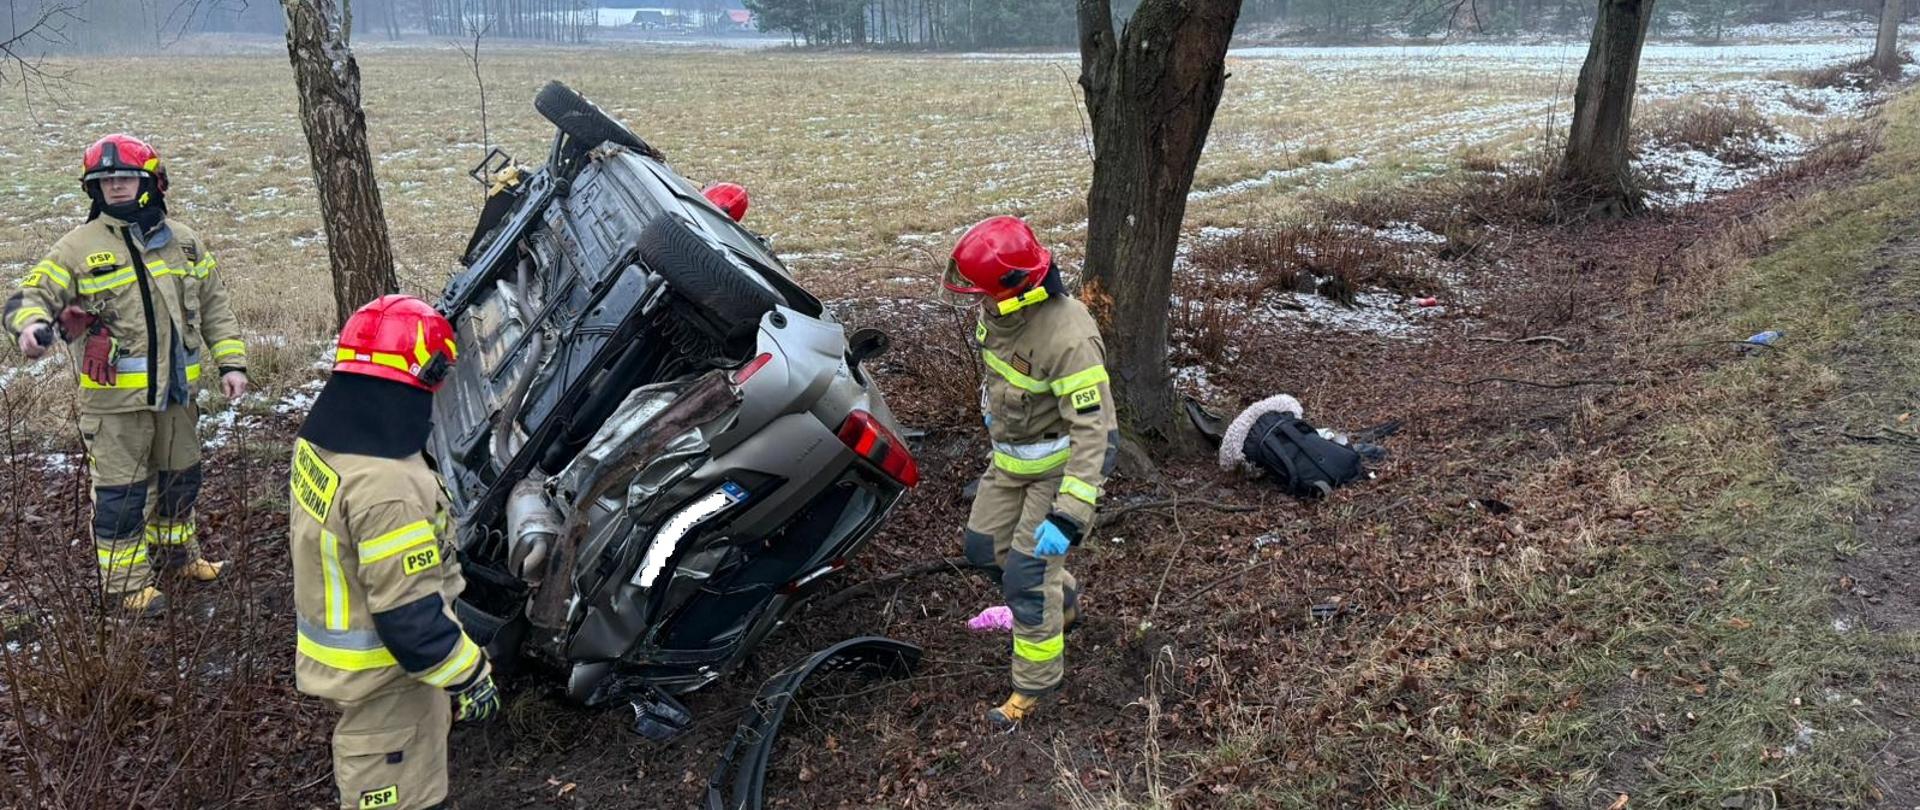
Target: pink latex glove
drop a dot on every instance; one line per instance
(996, 619)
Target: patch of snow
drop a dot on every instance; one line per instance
(299, 400)
(1689, 175)
(1195, 380)
(1276, 175)
(1409, 233)
(36, 370)
(217, 427)
(1842, 625)
(58, 463)
(1375, 313)
(1802, 739)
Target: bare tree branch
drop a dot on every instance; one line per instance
(478, 31)
(23, 52)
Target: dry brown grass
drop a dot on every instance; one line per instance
(860, 164)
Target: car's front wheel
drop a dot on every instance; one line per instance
(585, 123)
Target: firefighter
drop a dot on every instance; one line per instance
(142, 309)
(1049, 413)
(374, 570)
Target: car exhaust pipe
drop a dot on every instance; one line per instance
(533, 526)
(505, 443)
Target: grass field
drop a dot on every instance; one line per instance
(863, 167)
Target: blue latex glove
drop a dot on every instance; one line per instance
(1049, 540)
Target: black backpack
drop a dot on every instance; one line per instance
(1299, 459)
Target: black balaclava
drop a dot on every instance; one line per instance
(368, 416)
(1056, 286)
(147, 216)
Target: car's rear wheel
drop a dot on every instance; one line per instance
(727, 304)
(584, 122)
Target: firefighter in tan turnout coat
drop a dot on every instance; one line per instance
(1049, 414)
(142, 308)
(374, 571)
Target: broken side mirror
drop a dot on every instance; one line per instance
(866, 344)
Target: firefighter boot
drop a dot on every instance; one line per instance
(1017, 708)
(145, 603)
(202, 570)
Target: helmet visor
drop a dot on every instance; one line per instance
(955, 282)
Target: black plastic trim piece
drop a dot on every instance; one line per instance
(744, 761)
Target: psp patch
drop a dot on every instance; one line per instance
(103, 259)
(417, 561)
(1086, 400)
(388, 796)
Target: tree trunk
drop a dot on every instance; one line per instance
(1151, 94)
(1886, 54)
(1596, 170)
(328, 81)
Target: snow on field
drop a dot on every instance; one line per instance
(1310, 170)
(1690, 175)
(1772, 98)
(1448, 59)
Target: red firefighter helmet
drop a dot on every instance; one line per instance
(398, 338)
(728, 197)
(998, 257)
(121, 155)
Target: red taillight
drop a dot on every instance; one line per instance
(753, 366)
(867, 437)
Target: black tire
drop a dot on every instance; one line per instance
(728, 303)
(585, 122)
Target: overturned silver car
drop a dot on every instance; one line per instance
(656, 442)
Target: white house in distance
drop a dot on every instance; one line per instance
(662, 18)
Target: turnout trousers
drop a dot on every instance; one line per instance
(390, 750)
(1042, 595)
(145, 467)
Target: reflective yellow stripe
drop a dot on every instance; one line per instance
(1021, 466)
(201, 268)
(1040, 651)
(445, 674)
(158, 269)
(1085, 379)
(1080, 489)
(124, 558)
(377, 358)
(336, 581)
(135, 379)
(394, 542)
(54, 273)
(228, 348)
(25, 314)
(174, 535)
(349, 660)
(99, 284)
(1020, 381)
